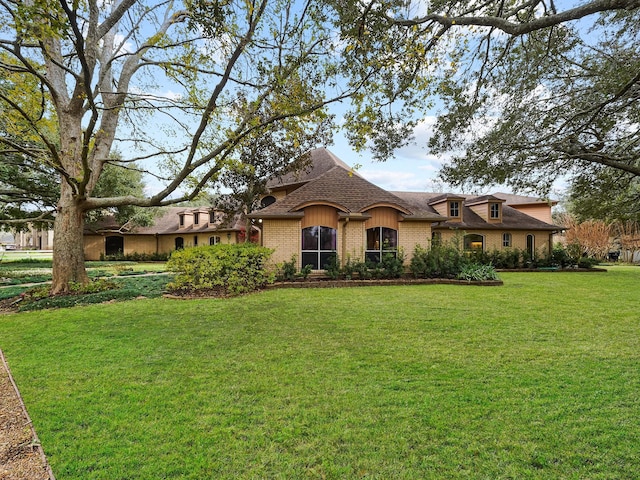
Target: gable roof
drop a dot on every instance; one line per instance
(512, 199)
(512, 219)
(167, 222)
(320, 162)
(348, 192)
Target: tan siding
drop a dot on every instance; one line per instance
(382, 217)
(540, 211)
(442, 208)
(482, 210)
(321, 215)
(139, 244)
(93, 247)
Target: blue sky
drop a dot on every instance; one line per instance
(411, 168)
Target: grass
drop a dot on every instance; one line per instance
(536, 379)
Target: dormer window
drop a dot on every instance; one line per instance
(181, 220)
(454, 209)
(494, 211)
(196, 218)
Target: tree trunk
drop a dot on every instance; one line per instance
(68, 247)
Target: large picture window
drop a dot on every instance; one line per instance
(381, 240)
(318, 246)
(473, 241)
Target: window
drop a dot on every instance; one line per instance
(266, 201)
(214, 240)
(182, 220)
(506, 239)
(196, 219)
(454, 209)
(195, 241)
(473, 241)
(179, 243)
(531, 246)
(494, 210)
(380, 241)
(318, 246)
(436, 238)
(212, 217)
(113, 245)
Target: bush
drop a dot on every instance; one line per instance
(286, 271)
(135, 257)
(230, 268)
(476, 272)
(391, 266)
(442, 260)
(587, 262)
(332, 268)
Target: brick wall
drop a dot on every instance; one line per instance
(411, 234)
(284, 237)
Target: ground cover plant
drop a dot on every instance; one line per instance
(536, 379)
(110, 282)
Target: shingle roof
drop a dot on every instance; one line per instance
(320, 162)
(512, 199)
(512, 219)
(349, 192)
(168, 221)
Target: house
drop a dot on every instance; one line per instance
(330, 210)
(34, 238)
(174, 228)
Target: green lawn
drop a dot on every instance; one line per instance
(539, 378)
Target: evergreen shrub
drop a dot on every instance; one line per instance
(231, 269)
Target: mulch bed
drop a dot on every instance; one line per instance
(21, 456)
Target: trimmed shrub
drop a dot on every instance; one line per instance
(231, 269)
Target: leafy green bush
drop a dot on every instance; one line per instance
(286, 271)
(587, 262)
(332, 268)
(391, 266)
(135, 257)
(477, 272)
(305, 271)
(230, 268)
(442, 260)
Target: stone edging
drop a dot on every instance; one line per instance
(374, 283)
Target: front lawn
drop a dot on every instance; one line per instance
(535, 379)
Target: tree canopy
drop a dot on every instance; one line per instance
(562, 103)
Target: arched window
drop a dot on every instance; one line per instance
(506, 240)
(473, 241)
(113, 245)
(318, 246)
(214, 240)
(266, 201)
(179, 243)
(531, 246)
(381, 241)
